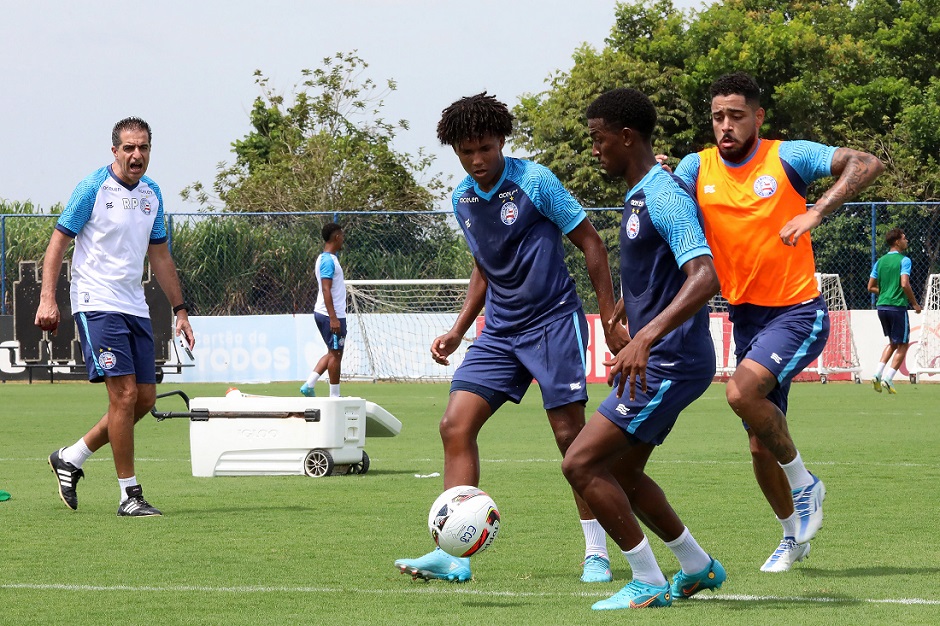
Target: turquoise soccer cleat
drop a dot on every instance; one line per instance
(436, 564)
(687, 585)
(596, 569)
(636, 595)
(308, 391)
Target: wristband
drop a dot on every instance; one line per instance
(186, 306)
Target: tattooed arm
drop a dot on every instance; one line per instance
(854, 170)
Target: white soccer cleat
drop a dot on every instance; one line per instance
(786, 554)
(807, 503)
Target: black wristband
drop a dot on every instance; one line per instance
(182, 307)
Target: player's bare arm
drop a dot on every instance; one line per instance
(585, 237)
(444, 345)
(909, 293)
(47, 314)
(700, 285)
(326, 285)
(854, 171)
(165, 270)
(873, 286)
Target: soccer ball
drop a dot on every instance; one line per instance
(463, 521)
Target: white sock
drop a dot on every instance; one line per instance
(796, 473)
(643, 563)
(334, 390)
(889, 374)
(595, 539)
(692, 559)
(125, 483)
(76, 454)
(312, 379)
(789, 526)
(881, 368)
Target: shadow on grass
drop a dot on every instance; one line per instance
(880, 570)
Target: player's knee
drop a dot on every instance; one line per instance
(737, 397)
(574, 467)
(452, 428)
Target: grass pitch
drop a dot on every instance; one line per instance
(283, 550)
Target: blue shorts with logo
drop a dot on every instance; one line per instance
(894, 323)
(651, 416)
(117, 344)
(785, 339)
(553, 354)
(333, 341)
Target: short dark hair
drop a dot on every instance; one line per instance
(329, 229)
(627, 108)
(893, 236)
(129, 123)
(474, 117)
(737, 84)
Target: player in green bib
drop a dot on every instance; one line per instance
(891, 280)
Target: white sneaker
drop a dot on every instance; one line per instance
(786, 554)
(807, 502)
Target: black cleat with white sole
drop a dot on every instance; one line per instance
(67, 476)
(135, 505)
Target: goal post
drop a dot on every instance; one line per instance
(927, 360)
(391, 324)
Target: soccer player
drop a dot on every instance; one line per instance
(330, 311)
(115, 217)
(666, 279)
(752, 193)
(513, 214)
(890, 280)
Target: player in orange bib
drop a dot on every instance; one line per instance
(752, 193)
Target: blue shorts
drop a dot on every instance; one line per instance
(652, 415)
(785, 340)
(333, 341)
(117, 344)
(552, 354)
(895, 324)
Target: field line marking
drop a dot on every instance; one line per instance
(450, 589)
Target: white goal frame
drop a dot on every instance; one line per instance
(927, 360)
(391, 324)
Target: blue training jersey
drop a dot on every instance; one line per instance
(515, 234)
(661, 230)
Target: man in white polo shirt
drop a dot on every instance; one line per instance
(115, 217)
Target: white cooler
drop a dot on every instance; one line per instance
(269, 436)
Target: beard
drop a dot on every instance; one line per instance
(738, 154)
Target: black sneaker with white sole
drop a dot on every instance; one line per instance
(135, 505)
(67, 476)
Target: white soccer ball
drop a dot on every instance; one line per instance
(463, 520)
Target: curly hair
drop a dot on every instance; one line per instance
(627, 108)
(737, 84)
(129, 123)
(329, 229)
(474, 117)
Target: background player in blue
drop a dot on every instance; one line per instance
(115, 217)
(513, 214)
(780, 321)
(329, 312)
(890, 280)
(667, 278)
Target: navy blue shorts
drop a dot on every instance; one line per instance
(895, 324)
(553, 355)
(651, 416)
(117, 344)
(785, 340)
(333, 341)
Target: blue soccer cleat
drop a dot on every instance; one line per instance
(596, 569)
(687, 585)
(636, 595)
(310, 392)
(807, 503)
(436, 564)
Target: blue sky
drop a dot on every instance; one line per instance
(69, 70)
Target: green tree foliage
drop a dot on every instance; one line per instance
(860, 74)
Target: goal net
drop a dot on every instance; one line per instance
(391, 324)
(839, 359)
(928, 348)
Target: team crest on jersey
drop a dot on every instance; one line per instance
(107, 360)
(145, 207)
(633, 226)
(765, 186)
(509, 213)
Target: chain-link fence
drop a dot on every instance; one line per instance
(241, 263)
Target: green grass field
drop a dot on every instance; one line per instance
(284, 550)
